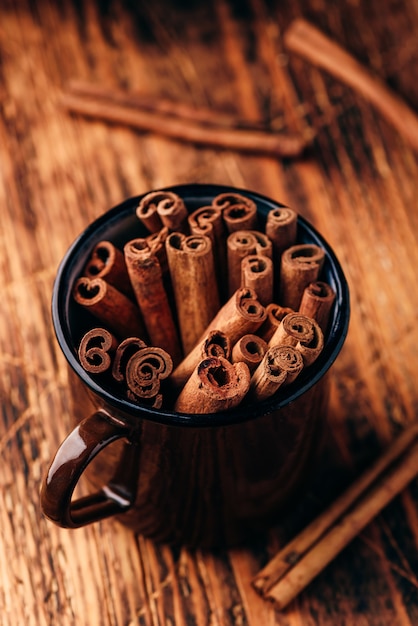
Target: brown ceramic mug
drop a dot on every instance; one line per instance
(193, 479)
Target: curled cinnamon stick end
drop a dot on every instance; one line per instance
(95, 349)
(146, 369)
(242, 243)
(281, 228)
(280, 366)
(215, 385)
(243, 313)
(147, 283)
(115, 310)
(215, 344)
(300, 265)
(257, 274)
(250, 349)
(127, 348)
(162, 208)
(239, 212)
(107, 262)
(207, 220)
(301, 332)
(317, 301)
(275, 314)
(192, 270)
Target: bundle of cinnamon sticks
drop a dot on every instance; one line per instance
(207, 309)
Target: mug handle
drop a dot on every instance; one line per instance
(85, 442)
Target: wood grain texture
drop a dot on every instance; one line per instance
(358, 186)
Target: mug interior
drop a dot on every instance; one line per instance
(119, 225)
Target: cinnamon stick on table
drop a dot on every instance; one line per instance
(309, 42)
(295, 566)
(188, 130)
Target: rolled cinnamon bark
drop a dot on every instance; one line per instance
(257, 274)
(300, 265)
(162, 208)
(107, 262)
(215, 385)
(240, 244)
(239, 212)
(95, 349)
(147, 283)
(207, 220)
(127, 348)
(301, 332)
(317, 301)
(146, 369)
(115, 310)
(280, 366)
(281, 227)
(216, 343)
(243, 313)
(192, 270)
(275, 313)
(249, 349)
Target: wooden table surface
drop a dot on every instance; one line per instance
(358, 185)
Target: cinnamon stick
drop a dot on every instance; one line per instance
(215, 343)
(281, 365)
(310, 43)
(207, 220)
(288, 573)
(215, 385)
(243, 313)
(95, 349)
(249, 349)
(205, 115)
(193, 276)
(127, 348)
(257, 273)
(300, 265)
(301, 332)
(162, 208)
(107, 262)
(274, 315)
(317, 301)
(245, 140)
(145, 370)
(239, 212)
(115, 310)
(281, 228)
(147, 283)
(240, 244)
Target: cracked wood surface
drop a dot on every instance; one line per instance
(358, 186)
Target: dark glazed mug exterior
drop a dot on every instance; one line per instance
(201, 480)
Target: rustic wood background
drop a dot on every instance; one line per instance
(358, 186)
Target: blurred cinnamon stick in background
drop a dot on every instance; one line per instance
(315, 47)
(119, 108)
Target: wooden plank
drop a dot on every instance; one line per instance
(358, 187)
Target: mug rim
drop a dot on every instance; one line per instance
(337, 331)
